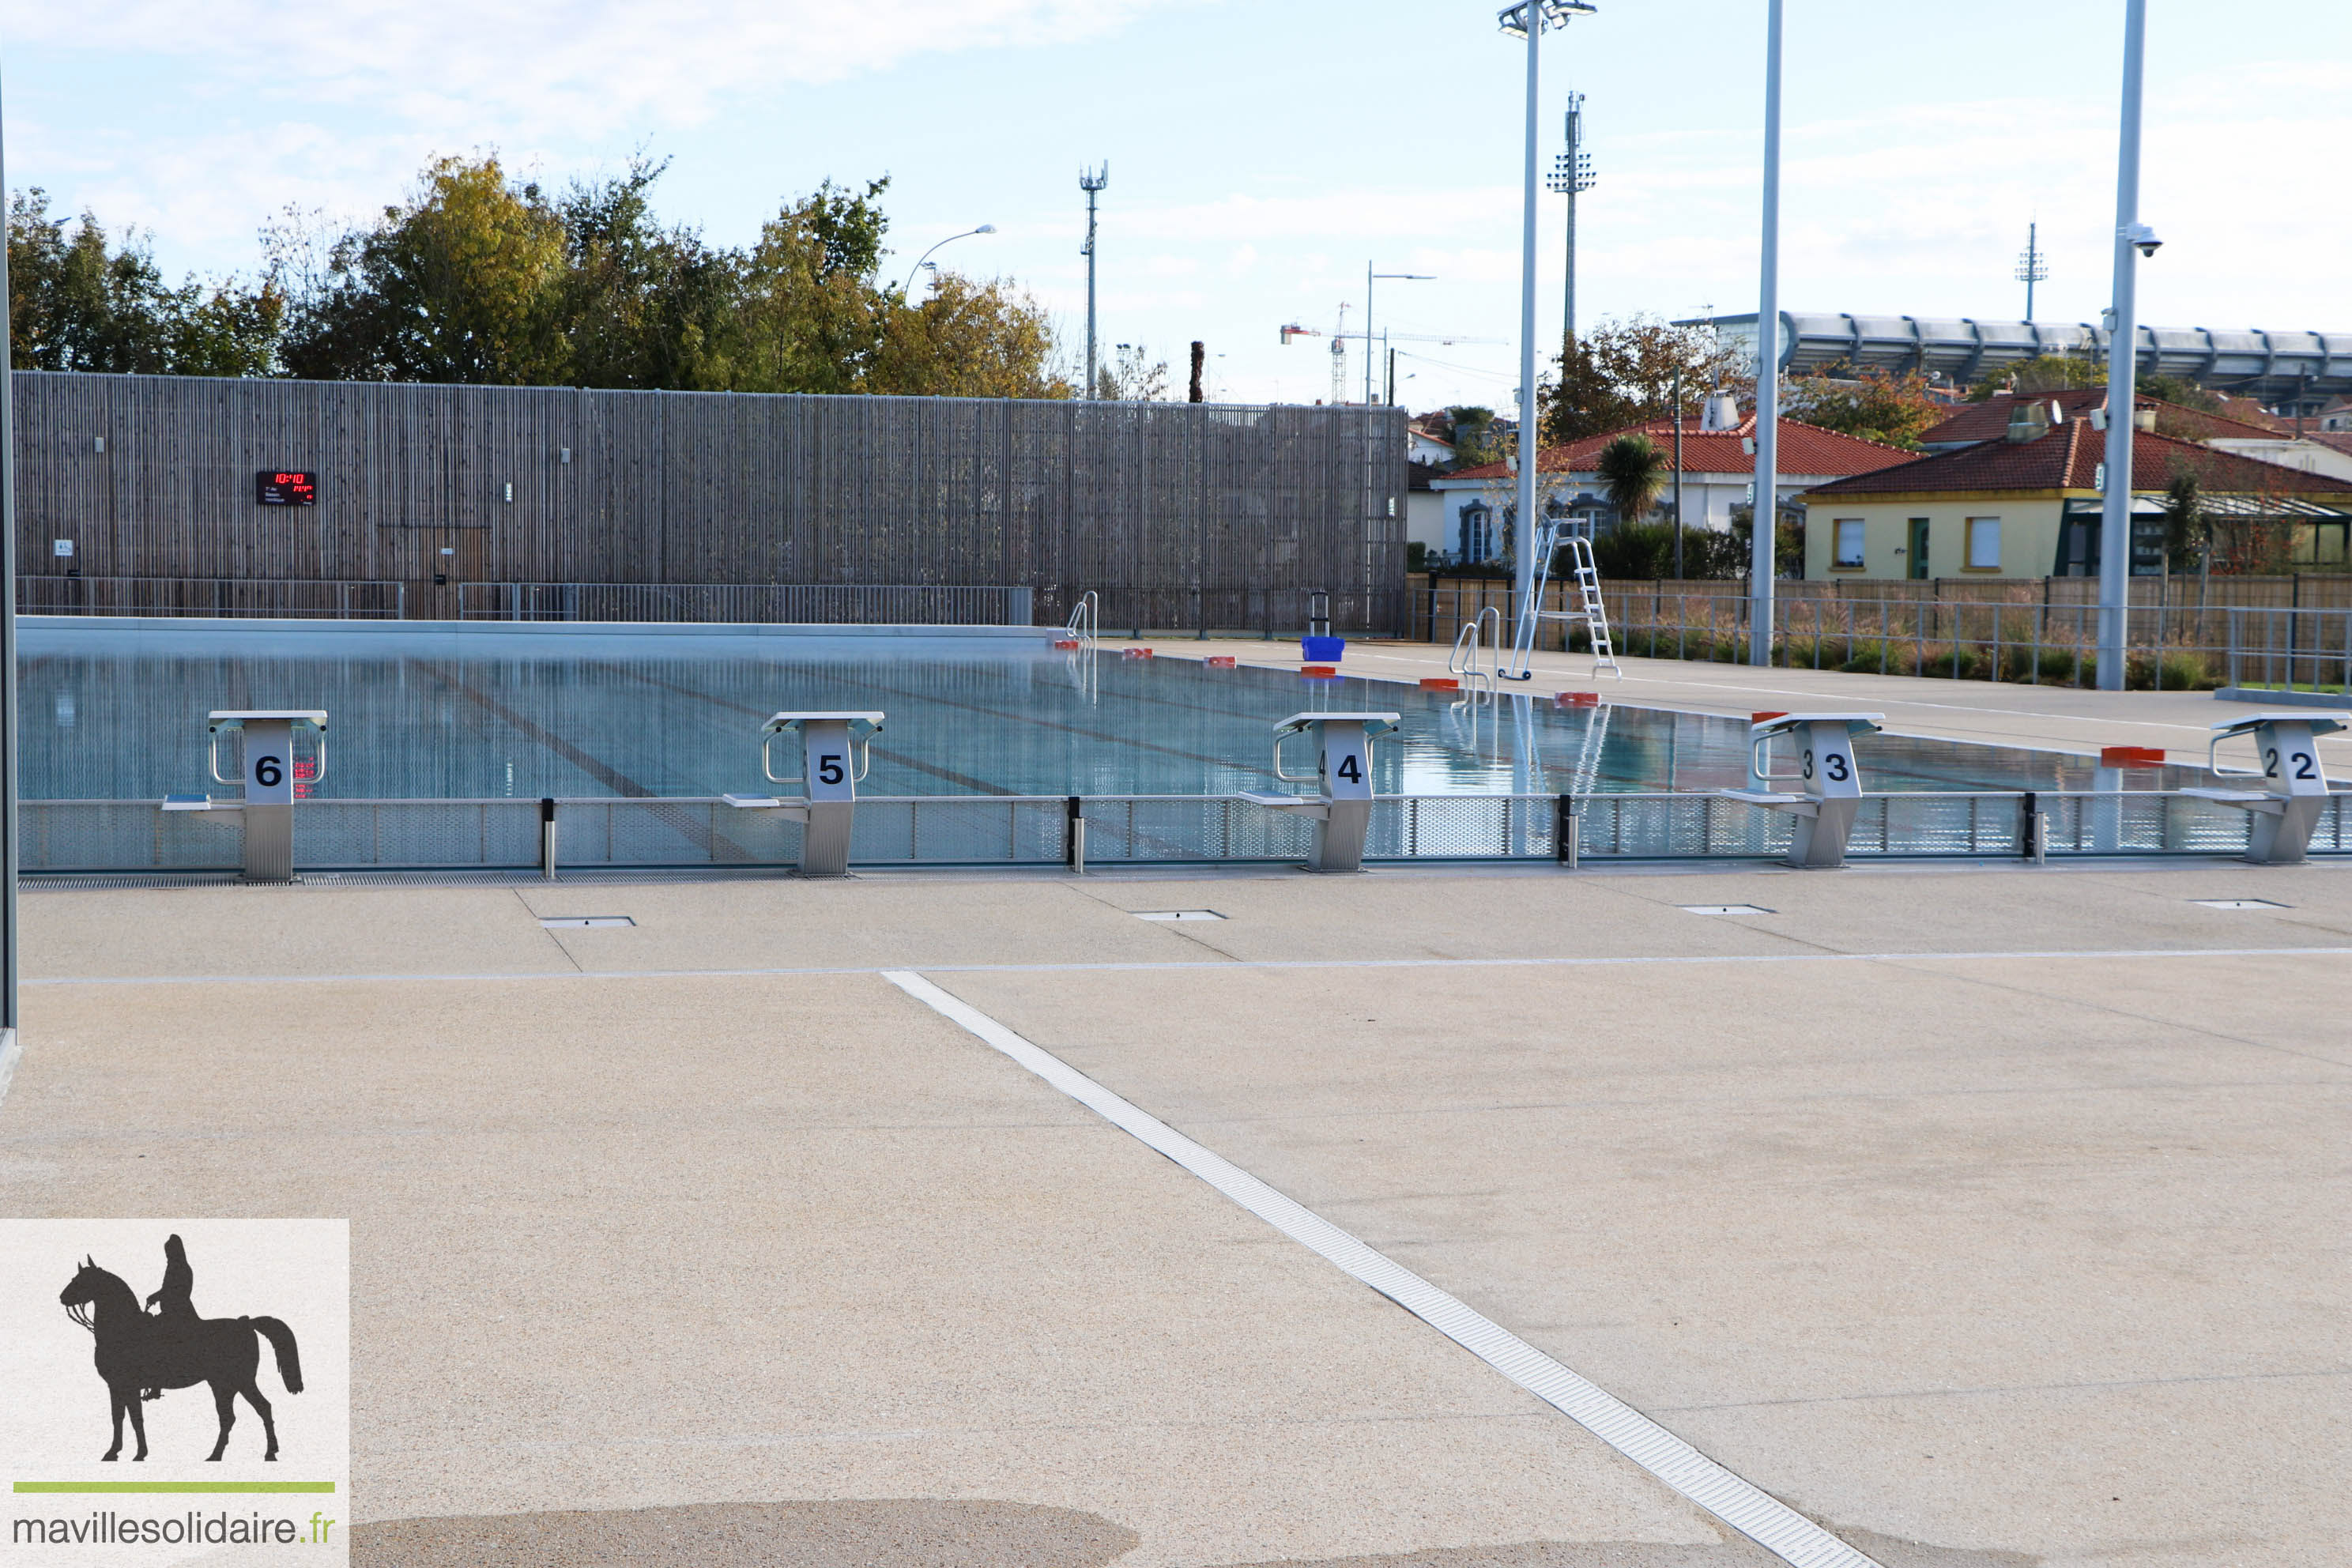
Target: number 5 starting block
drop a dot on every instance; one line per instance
(833, 757)
(1832, 781)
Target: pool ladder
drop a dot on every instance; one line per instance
(1477, 680)
(1086, 620)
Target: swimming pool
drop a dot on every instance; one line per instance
(109, 714)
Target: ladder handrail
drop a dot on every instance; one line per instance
(1464, 660)
(1086, 618)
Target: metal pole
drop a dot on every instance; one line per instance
(1091, 183)
(1678, 473)
(1530, 442)
(8, 843)
(2114, 514)
(1765, 515)
(1367, 334)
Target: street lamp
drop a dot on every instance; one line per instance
(2123, 366)
(967, 234)
(1368, 275)
(1528, 20)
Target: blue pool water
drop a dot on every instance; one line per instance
(109, 714)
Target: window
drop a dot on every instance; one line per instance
(1984, 544)
(1478, 532)
(1849, 544)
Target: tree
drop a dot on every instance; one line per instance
(2188, 526)
(462, 282)
(642, 305)
(77, 303)
(1635, 471)
(2046, 373)
(969, 339)
(1888, 406)
(1132, 376)
(1476, 440)
(1622, 373)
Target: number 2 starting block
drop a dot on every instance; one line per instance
(2294, 786)
(1825, 814)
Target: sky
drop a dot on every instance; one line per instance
(1261, 155)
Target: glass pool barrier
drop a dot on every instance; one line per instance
(93, 837)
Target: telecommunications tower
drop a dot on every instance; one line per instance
(1571, 177)
(2032, 265)
(1091, 182)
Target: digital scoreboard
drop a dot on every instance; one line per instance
(286, 488)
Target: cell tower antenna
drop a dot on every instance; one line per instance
(1571, 175)
(2032, 265)
(1092, 182)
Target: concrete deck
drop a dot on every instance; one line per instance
(1987, 1217)
(2050, 717)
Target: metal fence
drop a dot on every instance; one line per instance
(2022, 638)
(697, 833)
(775, 603)
(2290, 650)
(210, 596)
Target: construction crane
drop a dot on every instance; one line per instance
(1340, 337)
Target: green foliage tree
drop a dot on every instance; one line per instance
(462, 282)
(77, 302)
(2187, 525)
(1634, 473)
(481, 278)
(1646, 550)
(1622, 373)
(2046, 373)
(1889, 406)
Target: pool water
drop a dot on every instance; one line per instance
(122, 717)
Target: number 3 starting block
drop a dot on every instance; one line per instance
(1832, 781)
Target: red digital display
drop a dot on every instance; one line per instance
(286, 487)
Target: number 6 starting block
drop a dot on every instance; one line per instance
(1342, 810)
(2294, 786)
(1832, 781)
(833, 757)
(268, 809)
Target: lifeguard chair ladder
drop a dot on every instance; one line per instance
(1589, 608)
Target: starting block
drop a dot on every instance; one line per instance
(1825, 814)
(1342, 810)
(268, 809)
(834, 754)
(2294, 786)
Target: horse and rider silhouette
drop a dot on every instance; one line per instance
(139, 1355)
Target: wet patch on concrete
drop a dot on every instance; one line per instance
(913, 1533)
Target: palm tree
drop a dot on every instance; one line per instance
(1635, 472)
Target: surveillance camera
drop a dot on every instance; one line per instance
(2144, 237)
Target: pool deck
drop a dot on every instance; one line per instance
(2050, 718)
(1988, 1218)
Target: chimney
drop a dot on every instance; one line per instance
(1721, 411)
(2143, 418)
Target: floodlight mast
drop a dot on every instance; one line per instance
(2123, 366)
(1764, 508)
(1528, 20)
(2033, 265)
(1092, 182)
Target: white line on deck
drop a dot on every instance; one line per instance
(1748, 1509)
(1234, 964)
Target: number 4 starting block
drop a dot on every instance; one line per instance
(1342, 810)
(1832, 781)
(2294, 786)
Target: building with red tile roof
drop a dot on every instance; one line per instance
(1718, 469)
(2028, 506)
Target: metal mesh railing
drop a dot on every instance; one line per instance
(765, 603)
(100, 835)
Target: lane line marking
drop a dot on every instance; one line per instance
(1143, 966)
(1755, 1513)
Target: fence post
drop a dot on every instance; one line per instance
(1565, 848)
